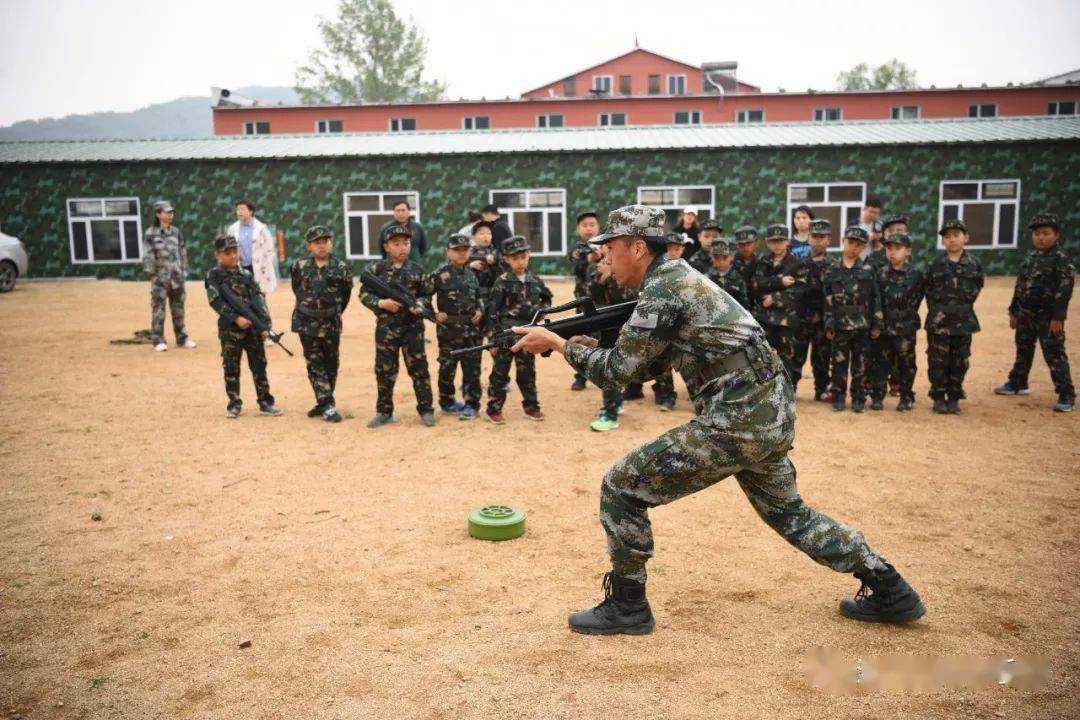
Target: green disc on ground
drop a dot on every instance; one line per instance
(496, 522)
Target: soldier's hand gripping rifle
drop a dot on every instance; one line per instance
(392, 291)
(601, 323)
(247, 311)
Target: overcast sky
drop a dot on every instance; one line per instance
(70, 56)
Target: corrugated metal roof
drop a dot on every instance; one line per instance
(889, 132)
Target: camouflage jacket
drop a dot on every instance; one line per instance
(683, 321)
(767, 281)
(409, 276)
(607, 292)
(165, 256)
(491, 270)
(951, 290)
(901, 294)
(322, 294)
(457, 293)
(701, 261)
(242, 283)
(732, 283)
(579, 263)
(852, 299)
(876, 259)
(1044, 285)
(514, 301)
(812, 306)
(747, 268)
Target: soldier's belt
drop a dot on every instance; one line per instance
(321, 314)
(953, 308)
(725, 366)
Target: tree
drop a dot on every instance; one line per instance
(893, 75)
(369, 54)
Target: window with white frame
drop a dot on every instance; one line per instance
(674, 199)
(366, 213)
(904, 112)
(328, 126)
(476, 122)
(828, 114)
(1061, 107)
(840, 203)
(551, 120)
(687, 117)
(750, 116)
(104, 230)
(402, 124)
(989, 208)
(537, 214)
(257, 127)
(982, 110)
(676, 84)
(612, 119)
(601, 84)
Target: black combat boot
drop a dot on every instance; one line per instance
(952, 404)
(316, 411)
(940, 407)
(905, 404)
(884, 596)
(624, 610)
(838, 402)
(877, 403)
(858, 405)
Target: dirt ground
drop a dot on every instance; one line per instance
(341, 553)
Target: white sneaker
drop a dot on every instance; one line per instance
(161, 347)
(190, 344)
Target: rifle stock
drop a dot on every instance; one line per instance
(392, 291)
(257, 321)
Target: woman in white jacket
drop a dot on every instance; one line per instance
(257, 246)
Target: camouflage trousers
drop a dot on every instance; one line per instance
(748, 437)
(850, 348)
(392, 340)
(811, 341)
(784, 340)
(894, 358)
(525, 374)
(947, 361)
(664, 387)
(321, 354)
(1032, 328)
(233, 344)
(160, 293)
(470, 371)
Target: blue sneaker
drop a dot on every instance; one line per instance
(453, 408)
(1009, 389)
(467, 413)
(1065, 403)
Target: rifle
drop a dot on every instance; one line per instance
(392, 291)
(253, 316)
(603, 323)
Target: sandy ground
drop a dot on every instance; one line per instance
(342, 554)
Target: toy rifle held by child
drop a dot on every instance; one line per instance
(392, 291)
(601, 323)
(246, 310)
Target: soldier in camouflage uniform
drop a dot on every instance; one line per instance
(235, 332)
(746, 243)
(953, 282)
(708, 232)
(399, 330)
(515, 298)
(164, 261)
(776, 293)
(1037, 313)
(722, 271)
(460, 314)
(811, 338)
(745, 426)
(852, 317)
(322, 284)
(582, 256)
(901, 286)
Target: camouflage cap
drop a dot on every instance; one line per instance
(854, 232)
(515, 244)
(898, 238)
(396, 230)
(163, 206)
(894, 219)
(458, 240)
(777, 231)
(1045, 220)
(821, 226)
(224, 242)
(317, 232)
(722, 246)
(674, 239)
(745, 234)
(954, 224)
(636, 221)
(712, 224)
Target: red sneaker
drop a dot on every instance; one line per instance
(496, 417)
(534, 414)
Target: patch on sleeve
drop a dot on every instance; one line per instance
(646, 321)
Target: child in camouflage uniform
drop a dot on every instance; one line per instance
(235, 332)
(399, 330)
(1037, 313)
(485, 259)
(708, 233)
(322, 284)
(460, 314)
(852, 317)
(812, 340)
(880, 362)
(676, 246)
(746, 262)
(777, 289)
(582, 257)
(953, 282)
(723, 273)
(515, 298)
(901, 286)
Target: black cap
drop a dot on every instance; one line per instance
(224, 242)
(489, 208)
(1045, 220)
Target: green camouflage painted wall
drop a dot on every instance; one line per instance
(751, 186)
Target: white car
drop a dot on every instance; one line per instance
(13, 262)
